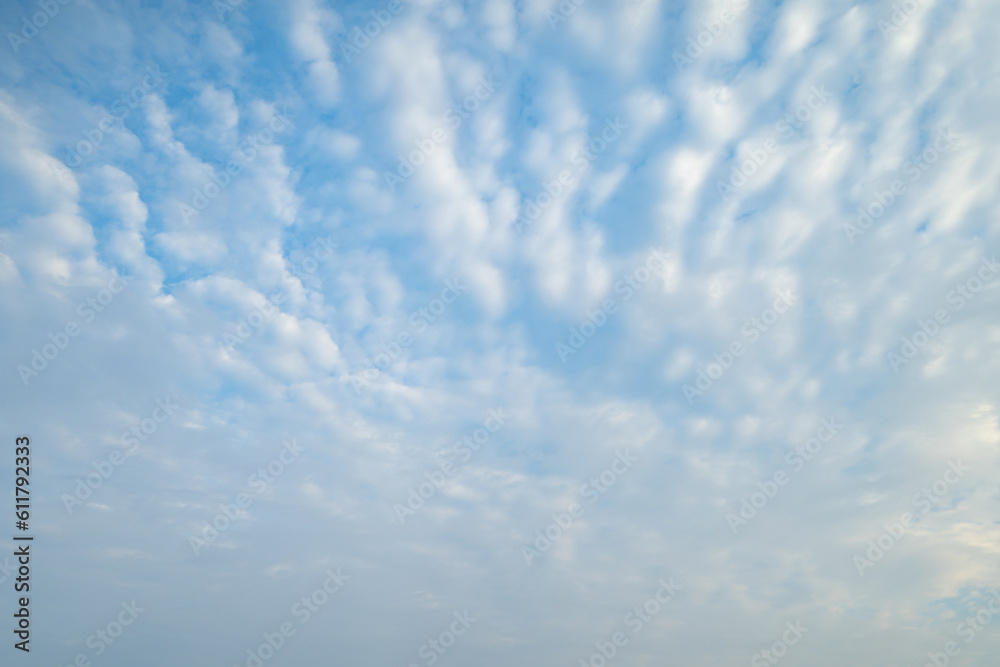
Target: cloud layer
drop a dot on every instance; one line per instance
(504, 333)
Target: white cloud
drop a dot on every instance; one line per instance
(361, 267)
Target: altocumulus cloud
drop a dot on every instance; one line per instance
(724, 274)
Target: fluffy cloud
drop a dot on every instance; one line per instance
(372, 255)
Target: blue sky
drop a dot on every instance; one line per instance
(501, 326)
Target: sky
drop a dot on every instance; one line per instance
(421, 332)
